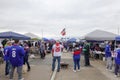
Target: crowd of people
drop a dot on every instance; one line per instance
(112, 58)
(16, 55)
(111, 54)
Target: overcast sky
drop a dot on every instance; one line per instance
(79, 17)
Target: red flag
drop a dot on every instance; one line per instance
(63, 32)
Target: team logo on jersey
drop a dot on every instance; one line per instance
(57, 49)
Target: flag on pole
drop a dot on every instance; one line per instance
(63, 32)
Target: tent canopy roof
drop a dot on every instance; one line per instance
(117, 38)
(100, 35)
(31, 35)
(72, 40)
(13, 35)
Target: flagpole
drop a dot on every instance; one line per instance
(42, 33)
(65, 33)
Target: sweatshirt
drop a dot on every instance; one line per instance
(76, 53)
(16, 54)
(6, 58)
(107, 51)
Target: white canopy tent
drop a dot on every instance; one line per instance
(31, 35)
(99, 35)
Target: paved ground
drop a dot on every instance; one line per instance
(41, 70)
(96, 72)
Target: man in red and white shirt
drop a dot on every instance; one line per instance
(56, 53)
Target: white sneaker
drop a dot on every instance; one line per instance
(115, 75)
(110, 70)
(118, 74)
(78, 70)
(7, 76)
(107, 69)
(74, 70)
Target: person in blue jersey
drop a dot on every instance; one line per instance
(108, 56)
(16, 54)
(117, 61)
(6, 58)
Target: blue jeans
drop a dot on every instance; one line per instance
(76, 63)
(7, 67)
(53, 63)
(117, 69)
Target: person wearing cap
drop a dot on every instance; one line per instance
(6, 58)
(56, 53)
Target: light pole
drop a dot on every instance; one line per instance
(118, 30)
(116, 19)
(42, 33)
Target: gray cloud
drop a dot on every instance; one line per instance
(77, 16)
